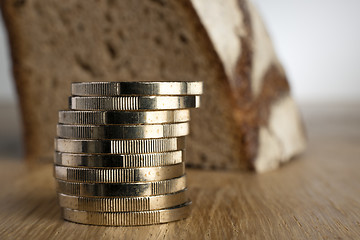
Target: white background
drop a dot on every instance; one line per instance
(318, 42)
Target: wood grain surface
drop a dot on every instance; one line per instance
(317, 196)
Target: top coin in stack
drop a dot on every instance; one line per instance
(136, 88)
(134, 103)
(132, 96)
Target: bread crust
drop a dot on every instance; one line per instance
(241, 116)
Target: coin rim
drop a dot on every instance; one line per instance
(137, 88)
(133, 146)
(123, 132)
(122, 204)
(100, 117)
(118, 175)
(107, 189)
(78, 159)
(130, 218)
(134, 103)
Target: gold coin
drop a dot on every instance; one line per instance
(123, 117)
(119, 175)
(119, 146)
(135, 103)
(136, 88)
(117, 160)
(137, 189)
(128, 218)
(122, 131)
(123, 204)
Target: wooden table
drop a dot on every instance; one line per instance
(316, 196)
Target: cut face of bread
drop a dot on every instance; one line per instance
(222, 43)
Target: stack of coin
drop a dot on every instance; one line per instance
(119, 157)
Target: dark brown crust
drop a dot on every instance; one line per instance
(269, 94)
(207, 47)
(257, 112)
(205, 43)
(243, 92)
(246, 118)
(253, 112)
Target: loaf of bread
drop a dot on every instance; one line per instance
(247, 120)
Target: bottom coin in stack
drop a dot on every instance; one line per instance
(128, 218)
(122, 204)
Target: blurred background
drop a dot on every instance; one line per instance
(317, 42)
